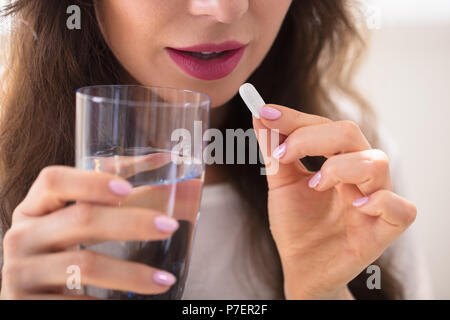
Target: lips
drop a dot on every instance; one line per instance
(208, 61)
(211, 47)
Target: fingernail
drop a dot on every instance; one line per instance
(359, 202)
(166, 224)
(270, 113)
(315, 180)
(164, 278)
(120, 187)
(279, 151)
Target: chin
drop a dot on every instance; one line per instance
(220, 96)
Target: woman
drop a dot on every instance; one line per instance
(309, 235)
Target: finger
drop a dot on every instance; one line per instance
(158, 197)
(287, 120)
(128, 166)
(44, 272)
(268, 139)
(85, 222)
(56, 185)
(322, 140)
(368, 170)
(394, 212)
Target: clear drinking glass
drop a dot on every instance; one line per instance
(135, 132)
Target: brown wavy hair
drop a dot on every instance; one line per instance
(316, 52)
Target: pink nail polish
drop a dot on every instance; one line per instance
(315, 180)
(166, 224)
(279, 151)
(361, 201)
(164, 278)
(269, 113)
(120, 187)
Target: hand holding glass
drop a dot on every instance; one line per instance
(128, 131)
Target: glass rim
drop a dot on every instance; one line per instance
(205, 102)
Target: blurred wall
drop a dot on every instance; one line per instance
(407, 79)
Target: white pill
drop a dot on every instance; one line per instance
(252, 98)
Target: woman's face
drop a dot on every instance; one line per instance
(140, 33)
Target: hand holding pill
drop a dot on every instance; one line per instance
(330, 225)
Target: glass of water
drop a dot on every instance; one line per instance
(153, 138)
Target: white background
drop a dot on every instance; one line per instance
(407, 79)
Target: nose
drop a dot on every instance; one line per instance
(225, 11)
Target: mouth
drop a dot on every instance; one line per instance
(208, 61)
(206, 55)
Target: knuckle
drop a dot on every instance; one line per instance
(378, 169)
(380, 154)
(17, 276)
(380, 161)
(13, 238)
(328, 168)
(295, 140)
(85, 260)
(411, 213)
(49, 176)
(16, 211)
(10, 271)
(82, 214)
(380, 197)
(349, 128)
